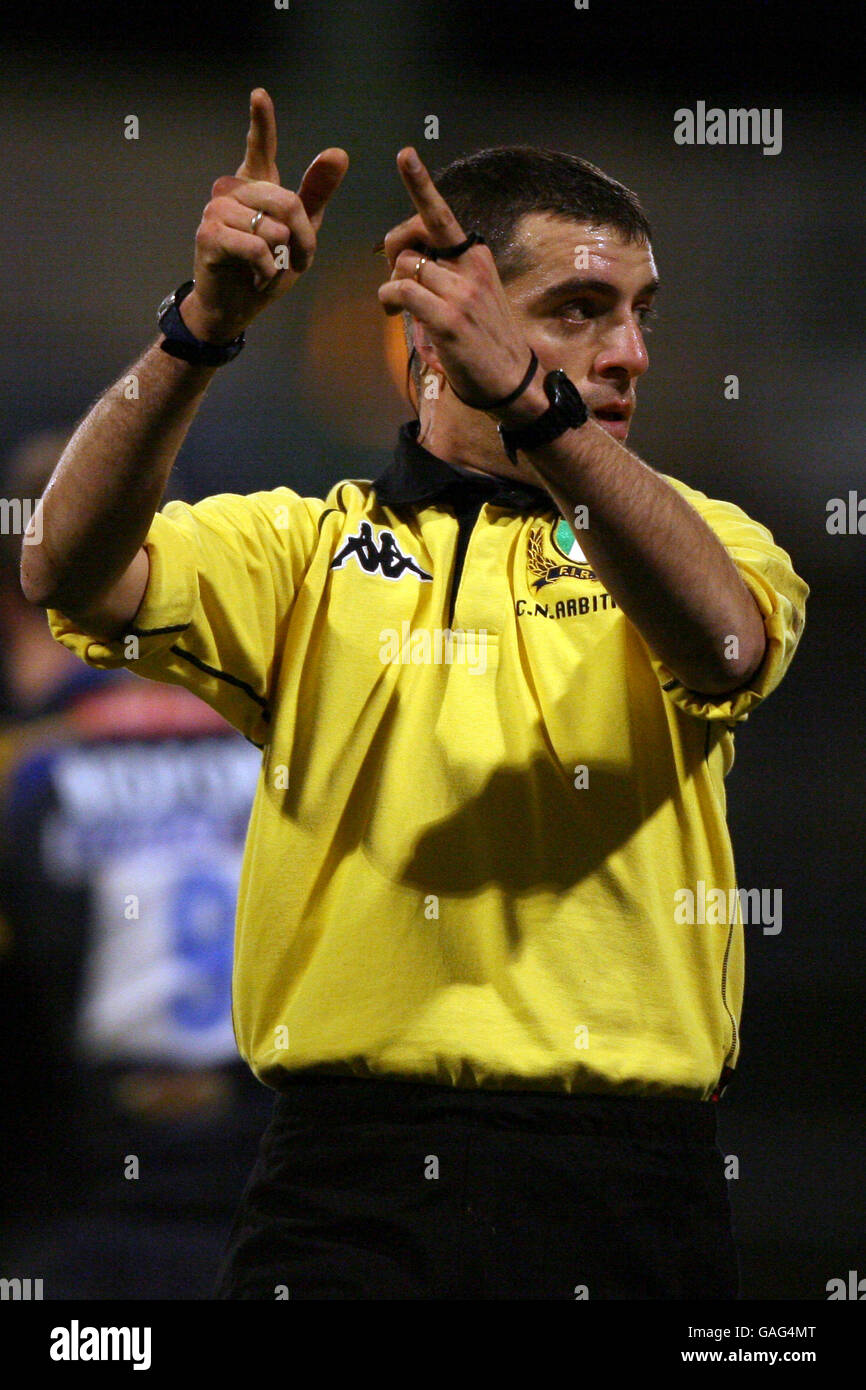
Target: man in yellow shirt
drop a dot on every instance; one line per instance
(489, 945)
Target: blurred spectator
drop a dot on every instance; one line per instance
(130, 1123)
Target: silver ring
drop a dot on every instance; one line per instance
(256, 219)
(416, 274)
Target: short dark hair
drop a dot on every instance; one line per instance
(492, 190)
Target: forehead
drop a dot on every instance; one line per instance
(550, 246)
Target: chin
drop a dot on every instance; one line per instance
(617, 429)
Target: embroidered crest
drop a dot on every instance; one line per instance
(543, 567)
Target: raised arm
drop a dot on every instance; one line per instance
(97, 509)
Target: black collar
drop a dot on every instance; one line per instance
(416, 476)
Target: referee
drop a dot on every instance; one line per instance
(495, 691)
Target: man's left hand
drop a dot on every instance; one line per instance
(460, 302)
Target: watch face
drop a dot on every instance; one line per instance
(565, 396)
(561, 389)
(166, 304)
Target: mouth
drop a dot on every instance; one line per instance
(615, 417)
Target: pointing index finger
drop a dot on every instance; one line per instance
(438, 218)
(260, 161)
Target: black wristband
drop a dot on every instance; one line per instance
(567, 410)
(512, 395)
(179, 342)
(450, 253)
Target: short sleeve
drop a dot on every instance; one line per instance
(769, 575)
(224, 573)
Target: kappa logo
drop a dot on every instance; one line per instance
(544, 569)
(385, 558)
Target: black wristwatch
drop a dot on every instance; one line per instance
(179, 342)
(566, 412)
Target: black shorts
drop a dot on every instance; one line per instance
(392, 1189)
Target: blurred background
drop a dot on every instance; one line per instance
(761, 265)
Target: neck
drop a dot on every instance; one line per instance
(469, 439)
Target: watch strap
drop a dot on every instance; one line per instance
(179, 342)
(563, 413)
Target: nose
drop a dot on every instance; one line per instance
(622, 353)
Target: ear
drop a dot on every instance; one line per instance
(425, 349)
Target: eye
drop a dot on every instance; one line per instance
(578, 310)
(647, 316)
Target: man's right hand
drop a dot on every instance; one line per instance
(235, 270)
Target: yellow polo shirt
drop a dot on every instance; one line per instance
(481, 794)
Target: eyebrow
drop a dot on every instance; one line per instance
(578, 283)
